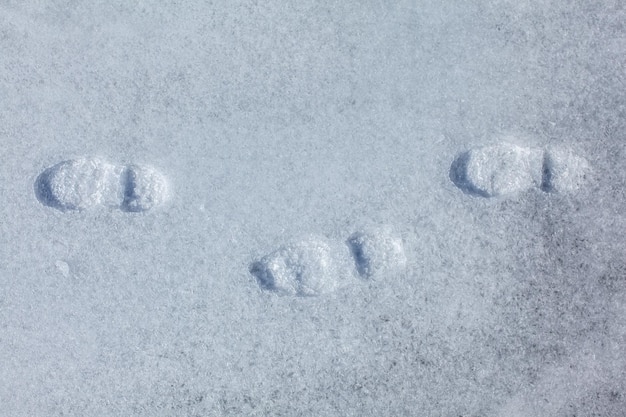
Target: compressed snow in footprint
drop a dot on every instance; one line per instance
(144, 188)
(377, 252)
(497, 170)
(564, 171)
(83, 183)
(79, 184)
(305, 268)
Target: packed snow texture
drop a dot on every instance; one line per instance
(79, 184)
(83, 183)
(307, 267)
(315, 265)
(378, 252)
(504, 168)
(144, 188)
(177, 179)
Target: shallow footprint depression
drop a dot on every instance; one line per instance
(79, 184)
(83, 183)
(504, 169)
(492, 171)
(144, 188)
(564, 171)
(307, 267)
(377, 252)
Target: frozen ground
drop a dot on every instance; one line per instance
(312, 208)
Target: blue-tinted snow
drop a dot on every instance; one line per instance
(277, 120)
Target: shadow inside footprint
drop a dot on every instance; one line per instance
(547, 185)
(44, 192)
(129, 204)
(264, 277)
(459, 176)
(361, 262)
(143, 188)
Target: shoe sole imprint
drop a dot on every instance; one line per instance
(503, 169)
(83, 183)
(315, 265)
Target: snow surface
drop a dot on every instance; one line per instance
(325, 135)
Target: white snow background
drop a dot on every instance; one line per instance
(277, 120)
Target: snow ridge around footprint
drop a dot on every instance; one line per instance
(83, 183)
